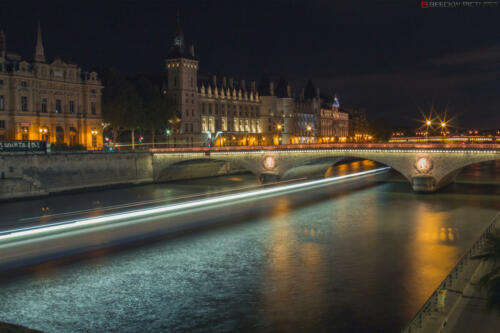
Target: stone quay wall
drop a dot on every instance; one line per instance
(31, 175)
(28, 175)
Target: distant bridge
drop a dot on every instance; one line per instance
(427, 167)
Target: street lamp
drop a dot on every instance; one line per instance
(309, 129)
(279, 127)
(428, 123)
(443, 128)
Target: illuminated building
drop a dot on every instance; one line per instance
(55, 102)
(222, 111)
(333, 124)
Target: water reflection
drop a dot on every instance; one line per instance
(295, 282)
(362, 260)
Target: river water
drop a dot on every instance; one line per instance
(360, 260)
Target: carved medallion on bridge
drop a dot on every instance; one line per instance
(423, 164)
(269, 162)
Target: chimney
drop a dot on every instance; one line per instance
(243, 85)
(231, 82)
(214, 80)
(289, 91)
(271, 88)
(252, 85)
(191, 50)
(224, 82)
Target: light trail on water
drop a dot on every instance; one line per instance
(43, 230)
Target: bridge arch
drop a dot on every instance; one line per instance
(400, 166)
(448, 176)
(311, 167)
(199, 168)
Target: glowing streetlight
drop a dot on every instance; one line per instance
(428, 123)
(443, 124)
(279, 127)
(309, 128)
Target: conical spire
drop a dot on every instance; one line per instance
(39, 52)
(179, 36)
(178, 49)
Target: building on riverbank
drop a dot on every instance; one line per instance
(223, 111)
(54, 101)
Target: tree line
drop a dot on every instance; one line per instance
(134, 103)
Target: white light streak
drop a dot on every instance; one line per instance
(13, 234)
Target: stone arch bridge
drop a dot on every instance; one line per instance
(427, 167)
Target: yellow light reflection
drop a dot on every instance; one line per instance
(432, 252)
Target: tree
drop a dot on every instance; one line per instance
(381, 129)
(156, 107)
(491, 280)
(120, 102)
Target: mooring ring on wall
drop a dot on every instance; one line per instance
(269, 162)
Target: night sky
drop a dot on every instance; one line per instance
(388, 57)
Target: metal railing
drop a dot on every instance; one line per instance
(430, 304)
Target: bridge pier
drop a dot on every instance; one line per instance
(266, 178)
(424, 184)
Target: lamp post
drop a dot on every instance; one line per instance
(309, 129)
(94, 133)
(443, 128)
(428, 123)
(167, 132)
(279, 127)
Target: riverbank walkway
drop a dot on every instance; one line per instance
(465, 303)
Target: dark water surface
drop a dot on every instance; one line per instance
(361, 260)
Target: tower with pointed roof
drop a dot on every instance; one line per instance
(182, 71)
(39, 52)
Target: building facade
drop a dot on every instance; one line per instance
(222, 111)
(55, 102)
